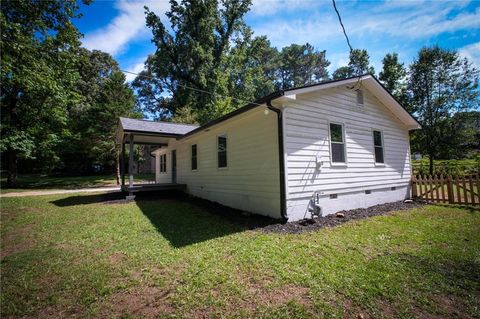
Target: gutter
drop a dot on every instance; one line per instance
(281, 160)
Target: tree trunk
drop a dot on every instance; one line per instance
(11, 168)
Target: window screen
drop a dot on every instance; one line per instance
(360, 97)
(378, 145)
(194, 156)
(337, 143)
(222, 151)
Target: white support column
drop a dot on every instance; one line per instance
(130, 161)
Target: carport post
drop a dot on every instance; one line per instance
(122, 163)
(130, 160)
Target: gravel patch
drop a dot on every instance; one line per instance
(339, 218)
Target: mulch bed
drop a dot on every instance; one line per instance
(339, 218)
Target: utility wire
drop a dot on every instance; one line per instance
(192, 88)
(343, 27)
(358, 85)
(148, 77)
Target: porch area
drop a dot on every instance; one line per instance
(135, 188)
(132, 132)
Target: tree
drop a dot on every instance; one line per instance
(462, 135)
(302, 65)
(358, 64)
(38, 53)
(440, 85)
(394, 76)
(93, 120)
(151, 93)
(192, 60)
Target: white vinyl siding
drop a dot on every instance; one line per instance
(307, 120)
(250, 181)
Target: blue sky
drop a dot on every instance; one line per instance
(118, 27)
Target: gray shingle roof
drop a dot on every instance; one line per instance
(155, 127)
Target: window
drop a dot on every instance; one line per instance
(378, 145)
(163, 163)
(222, 151)
(359, 97)
(337, 143)
(194, 157)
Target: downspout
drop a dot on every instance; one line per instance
(281, 160)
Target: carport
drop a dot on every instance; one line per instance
(145, 132)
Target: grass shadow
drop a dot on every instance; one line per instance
(470, 208)
(89, 199)
(183, 220)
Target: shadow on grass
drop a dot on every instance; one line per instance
(470, 208)
(181, 219)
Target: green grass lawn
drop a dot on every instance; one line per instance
(73, 255)
(38, 182)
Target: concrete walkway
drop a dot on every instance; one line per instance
(110, 189)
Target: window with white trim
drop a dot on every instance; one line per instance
(194, 157)
(378, 146)
(163, 163)
(337, 143)
(222, 151)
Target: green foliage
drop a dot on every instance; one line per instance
(199, 54)
(440, 85)
(465, 167)
(394, 76)
(38, 52)
(302, 65)
(93, 121)
(211, 63)
(358, 64)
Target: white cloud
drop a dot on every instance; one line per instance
(128, 25)
(270, 7)
(316, 29)
(401, 20)
(135, 68)
(432, 19)
(472, 53)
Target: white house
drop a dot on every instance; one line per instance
(321, 148)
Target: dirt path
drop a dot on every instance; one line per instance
(109, 189)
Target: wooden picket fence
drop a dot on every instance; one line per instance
(449, 189)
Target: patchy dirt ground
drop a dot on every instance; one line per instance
(340, 218)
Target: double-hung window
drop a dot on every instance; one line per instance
(222, 151)
(337, 143)
(194, 157)
(163, 163)
(378, 145)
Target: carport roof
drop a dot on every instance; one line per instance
(166, 128)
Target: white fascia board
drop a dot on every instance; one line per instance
(320, 86)
(287, 96)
